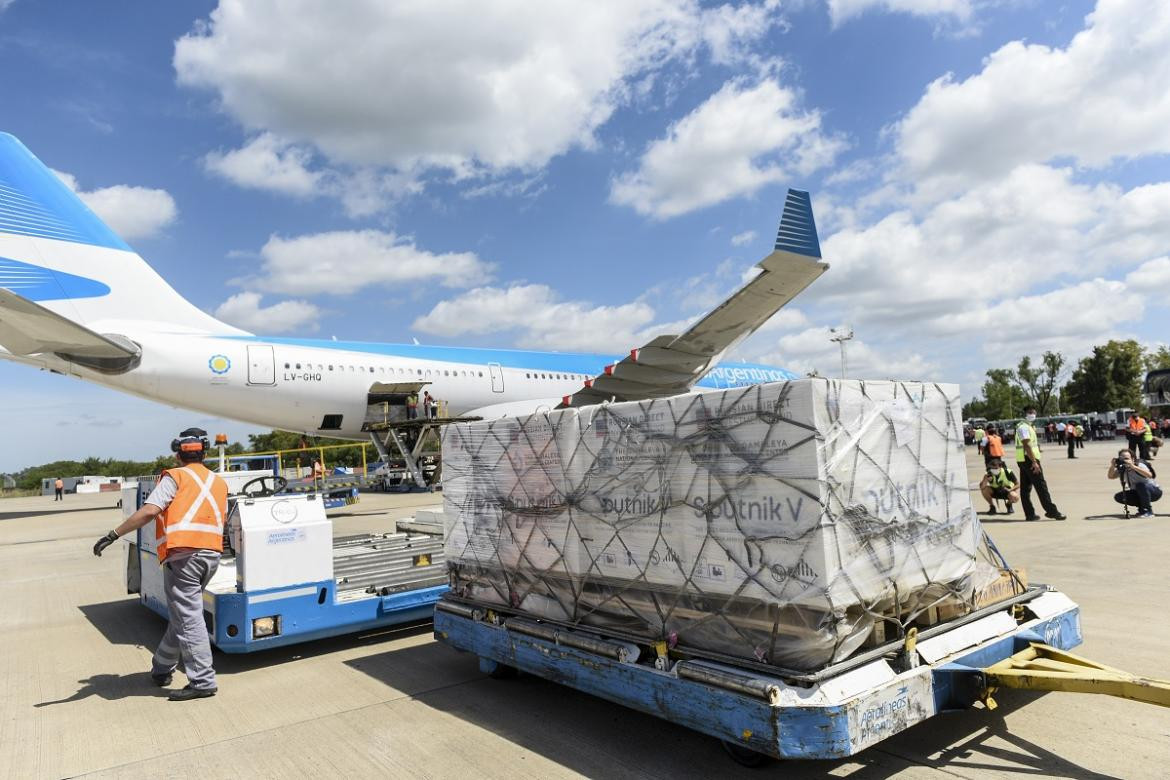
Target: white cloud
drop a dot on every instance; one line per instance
(810, 350)
(841, 11)
(1067, 318)
(343, 262)
(269, 163)
(1008, 237)
(1151, 278)
(266, 163)
(539, 318)
(460, 86)
(244, 311)
(132, 212)
(744, 238)
(1100, 99)
(741, 138)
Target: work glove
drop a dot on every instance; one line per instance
(105, 542)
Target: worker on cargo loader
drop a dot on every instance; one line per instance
(1031, 474)
(188, 507)
(999, 482)
(1137, 480)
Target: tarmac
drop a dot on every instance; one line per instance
(76, 698)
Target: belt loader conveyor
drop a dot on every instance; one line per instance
(285, 579)
(759, 713)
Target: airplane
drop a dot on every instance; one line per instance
(75, 299)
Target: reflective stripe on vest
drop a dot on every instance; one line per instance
(1021, 456)
(195, 516)
(1135, 425)
(1000, 480)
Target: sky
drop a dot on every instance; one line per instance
(990, 178)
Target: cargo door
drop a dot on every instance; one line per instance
(497, 377)
(261, 365)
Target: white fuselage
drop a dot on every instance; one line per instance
(321, 387)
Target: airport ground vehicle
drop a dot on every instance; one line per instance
(759, 712)
(284, 578)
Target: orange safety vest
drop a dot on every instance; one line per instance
(195, 517)
(1136, 426)
(994, 446)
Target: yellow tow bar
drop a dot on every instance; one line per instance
(1040, 667)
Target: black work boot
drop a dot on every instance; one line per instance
(187, 693)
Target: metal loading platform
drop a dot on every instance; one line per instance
(387, 563)
(759, 714)
(396, 436)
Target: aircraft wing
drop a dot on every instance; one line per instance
(670, 365)
(27, 328)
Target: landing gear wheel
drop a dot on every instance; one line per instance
(745, 756)
(278, 484)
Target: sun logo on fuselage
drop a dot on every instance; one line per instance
(219, 364)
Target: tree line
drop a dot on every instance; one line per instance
(31, 477)
(1108, 378)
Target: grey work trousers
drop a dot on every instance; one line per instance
(186, 640)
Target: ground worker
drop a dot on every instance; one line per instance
(1031, 474)
(318, 470)
(188, 507)
(1146, 440)
(59, 486)
(992, 446)
(1135, 428)
(412, 406)
(980, 435)
(999, 482)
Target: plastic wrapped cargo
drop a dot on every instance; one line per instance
(775, 523)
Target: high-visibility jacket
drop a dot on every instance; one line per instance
(196, 515)
(1136, 425)
(1000, 479)
(1148, 433)
(994, 446)
(1021, 455)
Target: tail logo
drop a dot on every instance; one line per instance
(219, 364)
(37, 283)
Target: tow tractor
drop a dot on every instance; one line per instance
(284, 578)
(761, 712)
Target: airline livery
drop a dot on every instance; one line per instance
(77, 300)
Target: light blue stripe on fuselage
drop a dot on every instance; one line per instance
(568, 362)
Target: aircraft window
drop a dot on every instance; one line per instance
(330, 366)
(286, 365)
(420, 372)
(481, 373)
(298, 366)
(371, 369)
(526, 376)
(319, 366)
(428, 372)
(446, 373)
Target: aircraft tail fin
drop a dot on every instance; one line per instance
(798, 231)
(55, 252)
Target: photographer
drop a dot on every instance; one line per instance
(999, 482)
(1137, 481)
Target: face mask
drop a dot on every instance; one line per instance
(1030, 418)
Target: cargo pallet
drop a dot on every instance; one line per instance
(761, 712)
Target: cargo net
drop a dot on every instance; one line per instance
(778, 524)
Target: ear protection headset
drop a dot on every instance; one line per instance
(191, 441)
